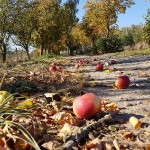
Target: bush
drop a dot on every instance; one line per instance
(110, 44)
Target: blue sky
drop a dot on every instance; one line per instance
(133, 15)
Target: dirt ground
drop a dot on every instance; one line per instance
(133, 101)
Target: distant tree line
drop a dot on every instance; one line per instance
(52, 26)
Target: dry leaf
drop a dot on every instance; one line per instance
(3, 148)
(135, 122)
(108, 71)
(67, 130)
(110, 107)
(25, 104)
(128, 135)
(95, 144)
(20, 145)
(116, 144)
(52, 145)
(108, 145)
(65, 117)
(52, 96)
(93, 84)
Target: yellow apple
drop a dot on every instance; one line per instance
(3, 95)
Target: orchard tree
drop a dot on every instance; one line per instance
(79, 37)
(146, 30)
(101, 16)
(69, 20)
(131, 35)
(24, 25)
(6, 15)
(48, 25)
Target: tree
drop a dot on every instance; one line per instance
(48, 25)
(131, 35)
(146, 30)
(101, 16)
(79, 37)
(25, 23)
(69, 19)
(6, 15)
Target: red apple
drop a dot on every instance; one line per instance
(95, 59)
(86, 106)
(99, 67)
(52, 68)
(77, 66)
(122, 82)
(113, 61)
(81, 61)
(59, 68)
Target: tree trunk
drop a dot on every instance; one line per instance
(42, 49)
(4, 52)
(70, 50)
(94, 50)
(27, 51)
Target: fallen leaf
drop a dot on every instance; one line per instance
(20, 145)
(65, 117)
(108, 71)
(93, 84)
(95, 144)
(25, 104)
(110, 107)
(135, 122)
(108, 145)
(67, 130)
(112, 128)
(128, 135)
(52, 96)
(116, 144)
(52, 145)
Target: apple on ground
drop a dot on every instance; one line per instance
(107, 63)
(81, 61)
(59, 68)
(95, 59)
(99, 67)
(52, 68)
(4, 95)
(113, 61)
(87, 105)
(77, 66)
(122, 82)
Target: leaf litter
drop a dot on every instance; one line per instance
(41, 116)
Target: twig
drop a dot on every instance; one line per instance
(2, 81)
(83, 132)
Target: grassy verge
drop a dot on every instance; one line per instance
(130, 53)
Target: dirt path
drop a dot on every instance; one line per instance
(133, 100)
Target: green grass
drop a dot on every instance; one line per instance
(46, 57)
(142, 52)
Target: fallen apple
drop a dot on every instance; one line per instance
(59, 68)
(4, 95)
(77, 66)
(113, 61)
(52, 68)
(99, 67)
(122, 82)
(81, 61)
(87, 105)
(95, 59)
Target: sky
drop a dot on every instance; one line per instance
(133, 15)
